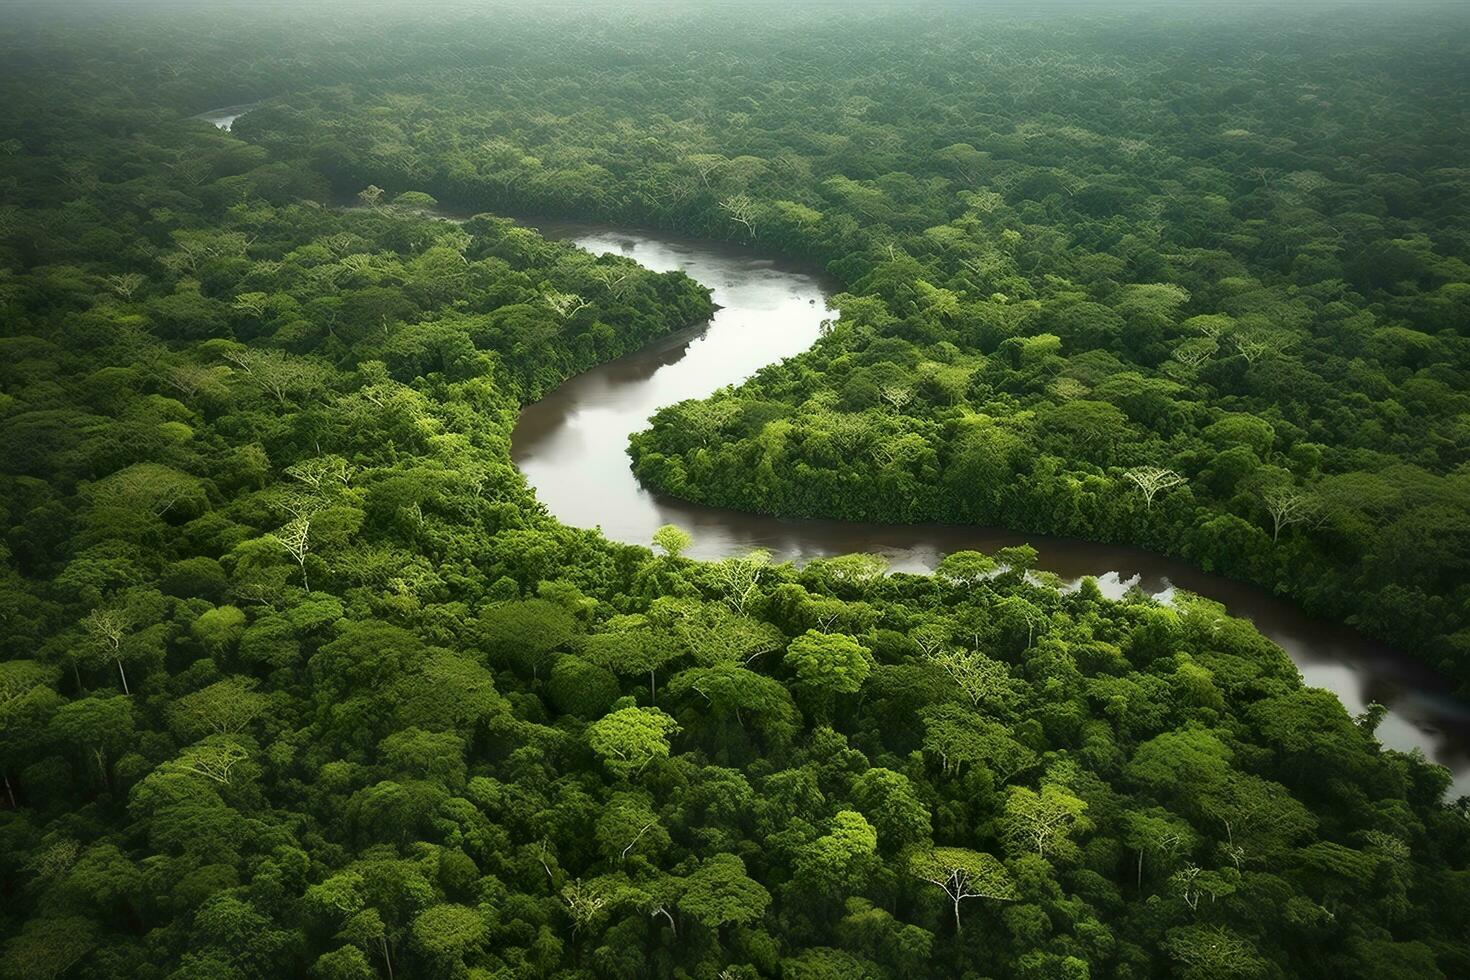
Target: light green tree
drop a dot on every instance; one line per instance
(840, 857)
(672, 539)
(828, 665)
(447, 932)
(720, 893)
(963, 874)
(1043, 822)
(628, 739)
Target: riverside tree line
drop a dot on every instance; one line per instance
(297, 679)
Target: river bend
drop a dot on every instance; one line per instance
(572, 447)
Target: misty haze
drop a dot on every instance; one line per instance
(720, 491)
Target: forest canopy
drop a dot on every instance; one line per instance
(297, 678)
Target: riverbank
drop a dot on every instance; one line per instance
(571, 447)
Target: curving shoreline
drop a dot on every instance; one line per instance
(571, 446)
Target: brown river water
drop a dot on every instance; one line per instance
(572, 448)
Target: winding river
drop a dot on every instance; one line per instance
(572, 448)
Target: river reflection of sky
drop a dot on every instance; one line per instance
(572, 448)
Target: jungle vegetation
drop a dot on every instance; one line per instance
(1223, 253)
(298, 680)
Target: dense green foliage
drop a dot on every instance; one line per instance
(1225, 250)
(297, 679)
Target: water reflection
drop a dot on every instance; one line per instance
(572, 447)
(225, 118)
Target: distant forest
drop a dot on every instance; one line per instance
(297, 678)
